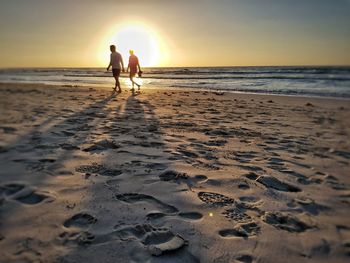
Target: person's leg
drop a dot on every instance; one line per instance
(116, 74)
(116, 81)
(138, 86)
(118, 84)
(132, 81)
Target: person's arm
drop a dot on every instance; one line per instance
(110, 63)
(127, 70)
(122, 63)
(138, 64)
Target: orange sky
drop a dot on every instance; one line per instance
(48, 33)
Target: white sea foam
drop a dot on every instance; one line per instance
(302, 81)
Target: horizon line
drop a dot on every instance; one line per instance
(233, 66)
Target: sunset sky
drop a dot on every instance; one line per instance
(77, 33)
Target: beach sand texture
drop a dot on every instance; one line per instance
(88, 175)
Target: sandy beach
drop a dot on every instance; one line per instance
(88, 175)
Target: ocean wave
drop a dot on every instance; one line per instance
(272, 91)
(216, 77)
(314, 81)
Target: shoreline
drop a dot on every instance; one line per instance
(175, 89)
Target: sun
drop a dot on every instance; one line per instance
(138, 37)
(141, 40)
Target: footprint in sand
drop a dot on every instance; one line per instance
(76, 235)
(138, 198)
(158, 241)
(286, 221)
(45, 146)
(33, 198)
(238, 215)
(11, 188)
(162, 242)
(334, 183)
(160, 218)
(178, 177)
(344, 234)
(102, 146)
(99, 169)
(244, 259)
(322, 249)
(24, 194)
(276, 163)
(204, 165)
(244, 230)
(241, 156)
(249, 203)
(151, 144)
(69, 147)
(251, 176)
(171, 175)
(215, 199)
(200, 178)
(187, 153)
(81, 238)
(308, 205)
(302, 179)
(47, 160)
(251, 168)
(156, 166)
(249, 199)
(80, 220)
(113, 184)
(65, 133)
(243, 185)
(8, 130)
(216, 142)
(272, 182)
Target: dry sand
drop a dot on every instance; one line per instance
(88, 175)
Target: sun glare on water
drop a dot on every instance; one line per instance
(138, 37)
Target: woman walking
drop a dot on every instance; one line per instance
(133, 66)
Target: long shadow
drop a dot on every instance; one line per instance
(102, 166)
(130, 207)
(75, 117)
(35, 158)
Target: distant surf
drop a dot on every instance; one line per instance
(300, 81)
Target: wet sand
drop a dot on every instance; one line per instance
(88, 175)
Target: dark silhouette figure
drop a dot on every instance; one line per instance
(116, 62)
(133, 66)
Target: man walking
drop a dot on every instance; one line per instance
(116, 62)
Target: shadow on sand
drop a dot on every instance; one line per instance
(91, 183)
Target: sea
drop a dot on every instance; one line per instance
(297, 81)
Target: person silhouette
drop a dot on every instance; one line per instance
(133, 66)
(116, 61)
